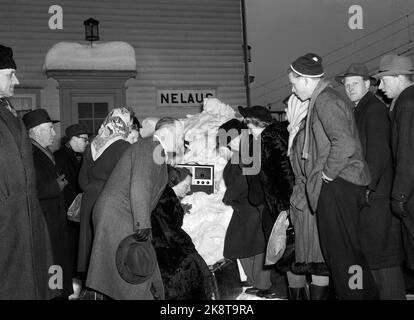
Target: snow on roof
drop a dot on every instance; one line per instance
(115, 55)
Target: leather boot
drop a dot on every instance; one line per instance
(319, 292)
(298, 294)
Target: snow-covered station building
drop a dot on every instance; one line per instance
(160, 57)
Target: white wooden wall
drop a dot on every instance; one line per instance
(178, 43)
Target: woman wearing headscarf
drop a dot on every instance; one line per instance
(308, 254)
(184, 272)
(99, 160)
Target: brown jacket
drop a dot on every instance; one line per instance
(334, 145)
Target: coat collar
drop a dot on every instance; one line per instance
(45, 151)
(363, 103)
(321, 86)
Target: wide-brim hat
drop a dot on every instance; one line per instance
(36, 117)
(356, 69)
(394, 65)
(258, 112)
(75, 130)
(135, 260)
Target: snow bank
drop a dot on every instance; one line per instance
(208, 219)
(115, 55)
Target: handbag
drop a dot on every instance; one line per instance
(276, 245)
(288, 257)
(73, 213)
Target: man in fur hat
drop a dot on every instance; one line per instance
(336, 177)
(25, 247)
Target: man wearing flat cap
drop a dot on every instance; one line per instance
(25, 248)
(336, 176)
(380, 230)
(50, 184)
(395, 75)
(68, 161)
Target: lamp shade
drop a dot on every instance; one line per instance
(91, 29)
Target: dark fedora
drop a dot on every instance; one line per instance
(135, 260)
(6, 58)
(75, 130)
(258, 112)
(356, 69)
(36, 117)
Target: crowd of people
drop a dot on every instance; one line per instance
(341, 167)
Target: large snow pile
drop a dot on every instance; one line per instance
(208, 219)
(114, 55)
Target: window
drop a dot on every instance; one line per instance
(92, 114)
(23, 102)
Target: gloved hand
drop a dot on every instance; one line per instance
(62, 182)
(142, 234)
(367, 198)
(187, 207)
(399, 208)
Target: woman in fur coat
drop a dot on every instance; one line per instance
(271, 188)
(184, 272)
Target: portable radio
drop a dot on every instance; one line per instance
(203, 177)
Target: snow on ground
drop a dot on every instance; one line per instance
(113, 55)
(245, 296)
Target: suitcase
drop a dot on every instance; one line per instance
(226, 280)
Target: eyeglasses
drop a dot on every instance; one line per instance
(83, 138)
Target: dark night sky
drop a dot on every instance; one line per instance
(281, 30)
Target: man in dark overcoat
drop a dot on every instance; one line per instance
(380, 230)
(396, 74)
(69, 157)
(25, 249)
(50, 184)
(124, 207)
(68, 161)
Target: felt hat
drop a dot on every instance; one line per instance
(258, 112)
(135, 260)
(6, 58)
(394, 65)
(75, 130)
(36, 117)
(355, 69)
